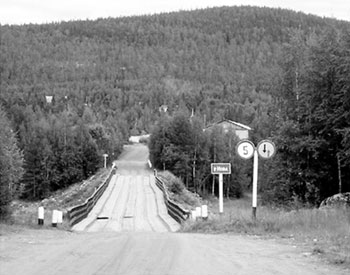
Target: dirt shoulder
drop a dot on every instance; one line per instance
(30, 251)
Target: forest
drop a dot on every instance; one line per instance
(72, 91)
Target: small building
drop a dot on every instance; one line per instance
(163, 108)
(241, 130)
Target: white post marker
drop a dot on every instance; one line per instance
(105, 160)
(59, 217)
(54, 218)
(204, 212)
(194, 215)
(41, 215)
(198, 212)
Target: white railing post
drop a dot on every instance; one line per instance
(41, 215)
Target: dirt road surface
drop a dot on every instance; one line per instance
(138, 248)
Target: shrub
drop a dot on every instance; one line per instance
(178, 192)
(173, 183)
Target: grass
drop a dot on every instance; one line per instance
(25, 213)
(325, 231)
(177, 191)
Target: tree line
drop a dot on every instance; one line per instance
(181, 145)
(309, 122)
(108, 78)
(312, 120)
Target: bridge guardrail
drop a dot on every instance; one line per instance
(79, 212)
(174, 210)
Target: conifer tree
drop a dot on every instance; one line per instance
(11, 162)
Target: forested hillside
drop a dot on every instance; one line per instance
(285, 74)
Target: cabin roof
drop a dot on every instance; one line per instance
(240, 125)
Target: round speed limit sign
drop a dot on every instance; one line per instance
(245, 149)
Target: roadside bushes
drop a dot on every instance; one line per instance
(177, 191)
(173, 183)
(180, 145)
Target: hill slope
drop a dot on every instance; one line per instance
(139, 63)
(108, 78)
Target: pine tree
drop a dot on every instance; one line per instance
(36, 181)
(11, 162)
(311, 137)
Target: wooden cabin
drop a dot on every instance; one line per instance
(241, 130)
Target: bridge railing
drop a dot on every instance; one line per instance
(79, 212)
(174, 210)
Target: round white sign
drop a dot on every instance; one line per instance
(245, 149)
(266, 149)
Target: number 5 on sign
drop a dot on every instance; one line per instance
(245, 149)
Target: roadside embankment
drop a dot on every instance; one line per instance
(25, 213)
(325, 231)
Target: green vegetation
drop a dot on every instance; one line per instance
(181, 146)
(11, 162)
(285, 74)
(311, 121)
(324, 231)
(177, 191)
(25, 213)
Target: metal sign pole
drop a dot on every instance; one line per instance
(255, 183)
(246, 149)
(221, 194)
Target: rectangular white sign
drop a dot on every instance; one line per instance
(221, 168)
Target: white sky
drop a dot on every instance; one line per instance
(46, 11)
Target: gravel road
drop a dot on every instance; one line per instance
(135, 239)
(43, 252)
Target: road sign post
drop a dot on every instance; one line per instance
(246, 149)
(255, 184)
(221, 193)
(221, 169)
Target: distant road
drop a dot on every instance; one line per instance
(132, 201)
(134, 240)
